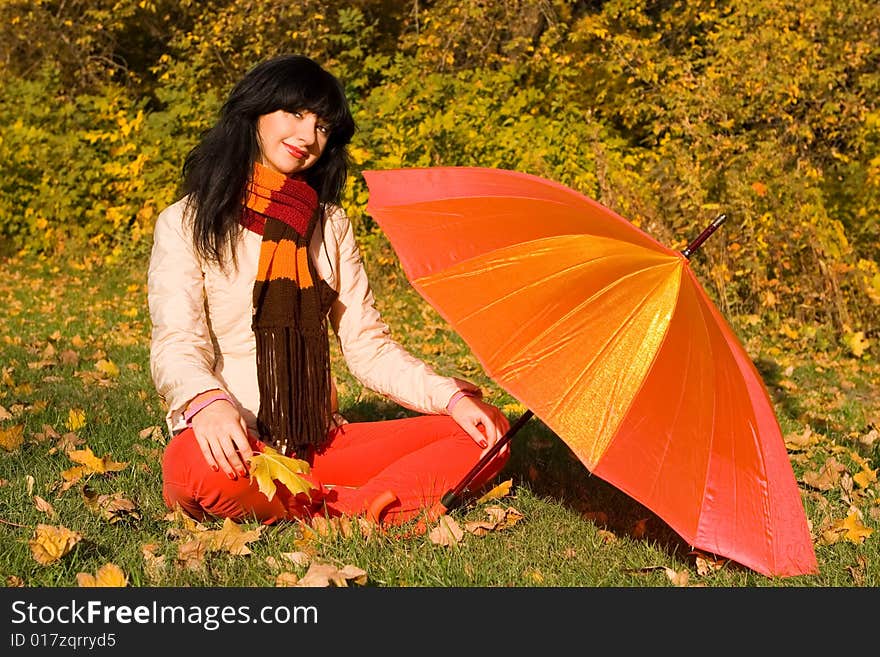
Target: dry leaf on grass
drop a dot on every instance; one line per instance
(154, 565)
(827, 477)
(154, 433)
(447, 532)
(229, 538)
(287, 579)
(113, 508)
(45, 507)
(850, 529)
(499, 491)
(51, 542)
(324, 574)
(707, 564)
(499, 519)
(109, 575)
(12, 437)
(94, 464)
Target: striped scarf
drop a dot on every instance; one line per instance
(290, 314)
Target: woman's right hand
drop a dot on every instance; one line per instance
(222, 436)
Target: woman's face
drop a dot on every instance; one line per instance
(291, 142)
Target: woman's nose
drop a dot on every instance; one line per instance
(306, 130)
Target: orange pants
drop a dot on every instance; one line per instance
(418, 459)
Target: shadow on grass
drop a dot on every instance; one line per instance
(544, 464)
(541, 461)
(772, 377)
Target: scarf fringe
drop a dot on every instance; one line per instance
(293, 417)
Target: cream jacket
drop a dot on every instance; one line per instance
(201, 323)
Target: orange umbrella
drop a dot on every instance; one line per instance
(607, 336)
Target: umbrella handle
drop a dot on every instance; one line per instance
(702, 237)
(450, 498)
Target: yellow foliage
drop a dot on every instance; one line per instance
(94, 464)
(76, 419)
(12, 437)
(109, 575)
(50, 543)
(271, 466)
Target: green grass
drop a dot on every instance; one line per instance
(576, 530)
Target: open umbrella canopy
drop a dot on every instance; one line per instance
(607, 336)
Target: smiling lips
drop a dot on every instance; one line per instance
(293, 150)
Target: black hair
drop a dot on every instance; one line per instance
(218, 170)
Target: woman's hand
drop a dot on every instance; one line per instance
(222, 436)
(485, 423)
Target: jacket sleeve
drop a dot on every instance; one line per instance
(182, 355)
(372, 356)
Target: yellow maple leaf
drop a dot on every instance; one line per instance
(107, 367)
(229, 538)
(850, 529)
(271, 466)
(497, 492)
(51, 542)
(107, 575)
(12, 438)
(865, 477)
(92, 463)
(76, 419)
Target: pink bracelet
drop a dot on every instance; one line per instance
(190, 413)
(460, 395)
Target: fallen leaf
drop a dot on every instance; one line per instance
(322, 574)
(45, 507)
(865, 477)
(606, 536)
(270, 466)
(191, 554)
(76, 419)
(640, 528)
(154, 565)
(14, 581)
(94, 464)
(499, 519)
(707, 564)
(12, 437)
(287, 579)
(299, 558)
(109, 575)
(850, 529)
(447, 531)
(69, 357)
(499, 491)
(51, 542)
(828, 476)
(107, 367)
(801, 441)
(230, 538)
(155, 433)
(677, 578)
(113, 508)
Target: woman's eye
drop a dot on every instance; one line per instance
(324, 129)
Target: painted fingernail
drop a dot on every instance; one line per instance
(231, 475)
(215, 468)
(484, 444)
(242, 473)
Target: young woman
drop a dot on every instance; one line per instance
(247, 270)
